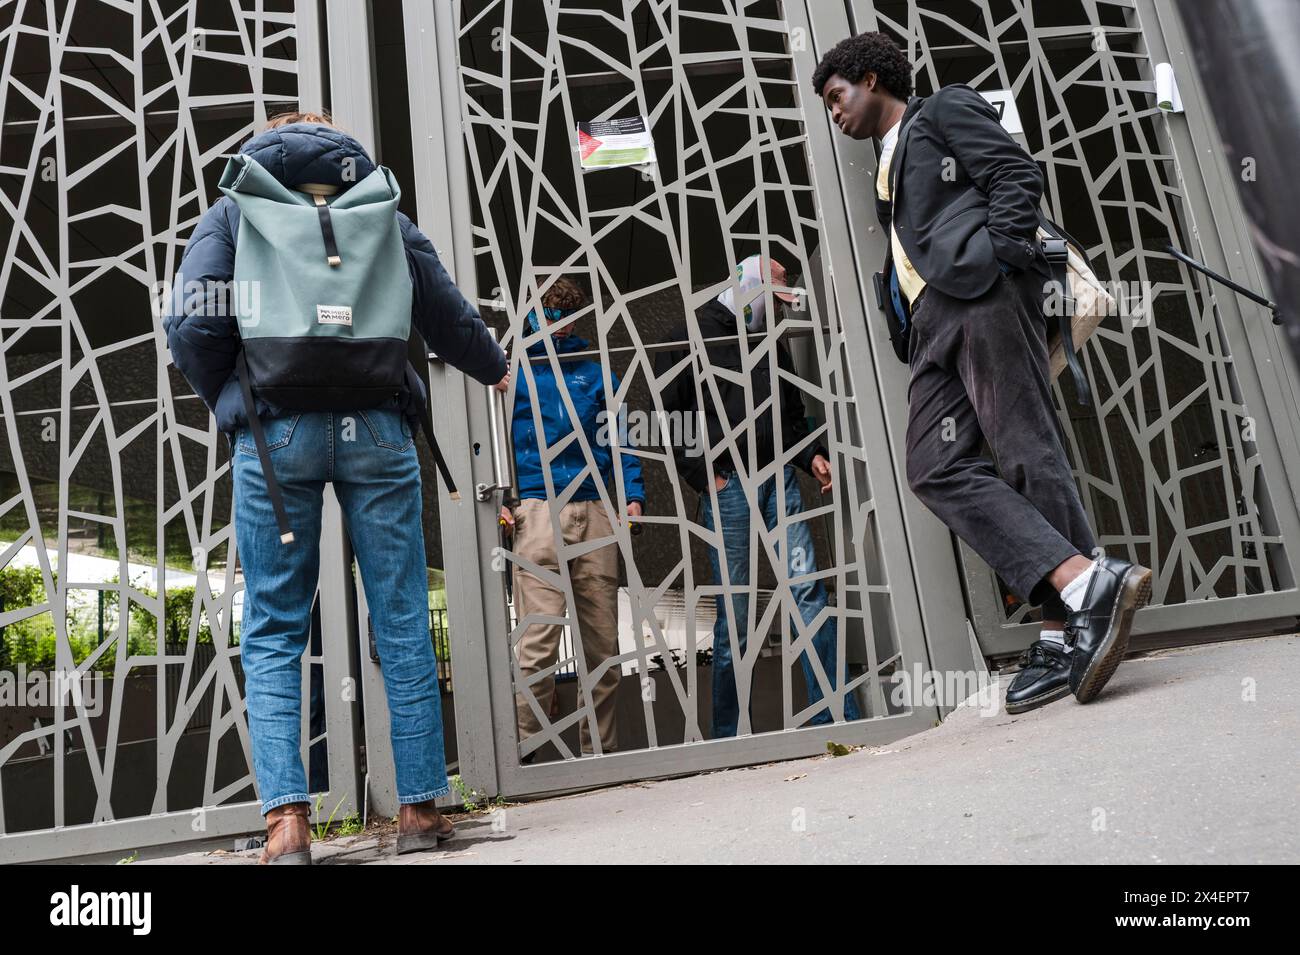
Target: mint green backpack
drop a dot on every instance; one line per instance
(323, 300)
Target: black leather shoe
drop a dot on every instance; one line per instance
(1098, 633)
(1044, 677)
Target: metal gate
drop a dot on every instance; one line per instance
(105, 444)
(739, 172)
(1175, 472)
(116, 120)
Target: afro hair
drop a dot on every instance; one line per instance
(853, 58)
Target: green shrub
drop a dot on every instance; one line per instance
(33, 640)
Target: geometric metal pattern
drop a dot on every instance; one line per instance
(718, 86)
(1166, 458)
(117, 118)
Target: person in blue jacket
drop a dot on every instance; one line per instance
(576, 516)
(369, 456)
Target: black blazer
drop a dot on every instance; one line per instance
(956, 228)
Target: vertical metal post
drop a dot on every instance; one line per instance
(311, 78)
(351, 70)
(380, 776)
(855, 246)
(475, 600)
(338, 637)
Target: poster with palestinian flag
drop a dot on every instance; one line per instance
(611, 143)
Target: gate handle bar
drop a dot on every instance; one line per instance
(502, 460)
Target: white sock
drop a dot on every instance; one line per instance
(1054, 636)
(1076, 589)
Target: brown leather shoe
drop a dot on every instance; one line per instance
(420, 826)
(288, 835)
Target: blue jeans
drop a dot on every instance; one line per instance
(370, 457)
(809, 596)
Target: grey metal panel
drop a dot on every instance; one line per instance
(862, 251)
(429, 148)
(492, 732)
(313, 79)
(123, 835)
(1223, 236)
(380, 775)
(136, 458)
(505, 148)
(341, 610)
(475, 601)
(698, 757)
(351, 70)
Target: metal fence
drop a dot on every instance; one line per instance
(1184, 463)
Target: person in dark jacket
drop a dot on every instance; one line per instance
(369, 456)
(203, 335)
(583, 517)
(959, 198)
(715, 360)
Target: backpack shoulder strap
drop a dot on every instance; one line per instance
(440, 462)
(263, 455)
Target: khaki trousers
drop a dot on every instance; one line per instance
(594, 579)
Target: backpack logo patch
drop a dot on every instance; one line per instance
(333, 315)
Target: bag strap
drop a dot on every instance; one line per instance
(1057, 252)
(263, 455)
(441, 463)
(327, 231)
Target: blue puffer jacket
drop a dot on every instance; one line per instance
(204, 344)
(586, 387)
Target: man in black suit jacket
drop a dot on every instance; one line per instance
(958, 199)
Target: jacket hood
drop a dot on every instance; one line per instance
(722, 318)
(309, 152)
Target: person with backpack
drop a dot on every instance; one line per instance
(752, 402)
(290, 316)
(965, 276)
